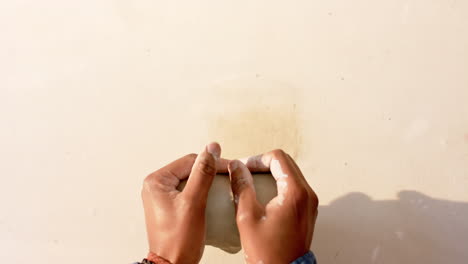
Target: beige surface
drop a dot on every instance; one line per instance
(371, 97)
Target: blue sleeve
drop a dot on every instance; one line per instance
(308, 258)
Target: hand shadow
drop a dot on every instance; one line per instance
(413, 229)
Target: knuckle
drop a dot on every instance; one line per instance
(157, 181)
(191, 156)
(244, 216)
(150, 181)
(207, 167)
(239, 183)
(302, 195)
(192, 202)
(278, 152)
(314, 199)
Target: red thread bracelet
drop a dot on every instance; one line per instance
(157, 259)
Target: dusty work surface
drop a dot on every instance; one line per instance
(370, 97)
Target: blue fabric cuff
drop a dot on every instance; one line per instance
(308, 258)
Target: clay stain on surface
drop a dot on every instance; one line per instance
(258, 116)
(257, 130)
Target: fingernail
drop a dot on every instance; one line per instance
(233, 165)
(214, 149)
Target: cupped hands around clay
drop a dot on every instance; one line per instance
(221, 228)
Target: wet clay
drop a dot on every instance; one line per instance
(221, 228)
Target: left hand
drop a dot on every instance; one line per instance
(175, 221)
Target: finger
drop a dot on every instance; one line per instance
(203, 172)
(298, 171)
(301, 175)
(222, 165)
(243, 191)
(278, 163)
(288, 181)
(168, 177)
(256, 163)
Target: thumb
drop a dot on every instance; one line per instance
(203, 172)
(244, 191)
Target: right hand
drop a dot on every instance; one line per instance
(281, 231)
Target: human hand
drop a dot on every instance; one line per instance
(281, 231)
(175, 221)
